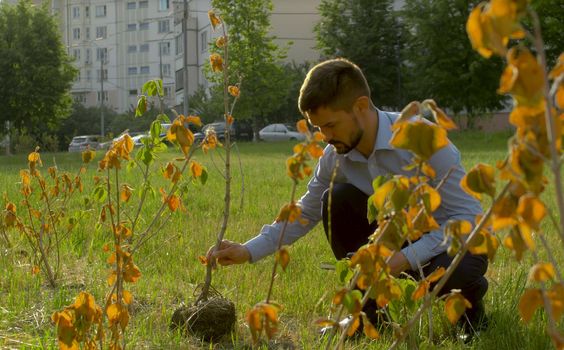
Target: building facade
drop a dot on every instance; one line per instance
(118, 45)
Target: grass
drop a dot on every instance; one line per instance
(171, 270)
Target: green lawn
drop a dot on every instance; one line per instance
(171, 270)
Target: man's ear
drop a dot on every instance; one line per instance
(362, 104)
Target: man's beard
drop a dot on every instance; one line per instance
(343, 148)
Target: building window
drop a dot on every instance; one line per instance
(144, 48)
(133, 92)
(88, 56)
(132, 49)
(76, 33)
(165, 48)
(167, 91)
(204, 39)
(144, 70)
(102, 54)
(77, 78)
(132, 71)
(76, 12)
(179, 44)
(101, 11)
(88, 75)
(179, 79)
(131, 5)
(144, 26)
(101, 32)
(143, 4)
(166, 70)
(131, 27)
(105, 96)
(104, 75)
(76, 54)
(87, 11)
(87, 34)
(163, 5)
(164, 26)
(81, 98)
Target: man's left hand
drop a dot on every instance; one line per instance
(398, 263)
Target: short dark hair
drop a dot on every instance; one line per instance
(335, 83)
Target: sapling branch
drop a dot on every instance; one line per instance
(449, 271)
(550, 123)
(551, 257)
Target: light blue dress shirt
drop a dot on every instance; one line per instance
(359, 171)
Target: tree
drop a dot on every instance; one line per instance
(442, 64)
(35, 71)
(551, 16)
(288, 110)
(368, 33)
(253, 58)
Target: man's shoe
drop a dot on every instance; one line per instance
(472, 322)
(325, 331)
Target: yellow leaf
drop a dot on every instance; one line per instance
(457, 228)
(523, 77)
(233, 91)
(220, 42)
(541, 272)
(127, 297)
(353, 326)
(439, 115)
(203, 260)
(125, 193)
(530, 301)
(283, 257)
(531, 210)
(196, 169)
(419, 137)
(289, 212)
(559, 97)
(421, 290)
(216, 62)
(254, 319)
(455, 306)
(270, 311)
(558, 68)
(35, 270)
(436, 275)
(431, 196)
(131, 272)
(481, 33)
(214, 20)
(556, 297)
(504, 213)
(88, 155)
(480, 179)
(369, 329)
(412, 109)
(314, 150)
(381, 193)
(194, 119)
(302, 126)
(514, 241)
(428, 170)
(484, 243)
(318, 136)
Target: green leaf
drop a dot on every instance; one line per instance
(130, 165)
(100, 193)
(372, 210)
(163, 118)
(399, 198)
(160, 147)
(350, 298)
(149, 88)
(344, 273)
(156, 129)
(146, 156)
(378, 181)
(204, 177)
(141, 106)
(159, 86)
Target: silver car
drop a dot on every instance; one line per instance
(280, 132)
(80, 143)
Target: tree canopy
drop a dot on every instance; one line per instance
(254, 58)
(35, 70)
(368, 33)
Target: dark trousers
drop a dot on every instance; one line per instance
(350, 230)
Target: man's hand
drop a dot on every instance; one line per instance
(398, 263)
(228, 253)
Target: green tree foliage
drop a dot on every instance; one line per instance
(368, 33)
(209, 107)
(36, 74)
(254, 58)
(442, 64)
(288, 111)
(83, 121)
(551, 15)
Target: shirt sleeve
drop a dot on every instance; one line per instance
(266, 242)
(455, 204)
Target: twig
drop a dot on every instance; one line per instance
(551, 258)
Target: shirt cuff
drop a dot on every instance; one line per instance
(426, 248)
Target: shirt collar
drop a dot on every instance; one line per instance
(383, 136)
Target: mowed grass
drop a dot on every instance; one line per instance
(171, 271)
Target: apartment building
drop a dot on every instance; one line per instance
(118, 45)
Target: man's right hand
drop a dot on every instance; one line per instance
(228, 253)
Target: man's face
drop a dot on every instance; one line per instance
(340, 128)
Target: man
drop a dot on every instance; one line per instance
(335, 97)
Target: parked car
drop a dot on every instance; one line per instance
(280, 132)
(241, 130)
(80, 143)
